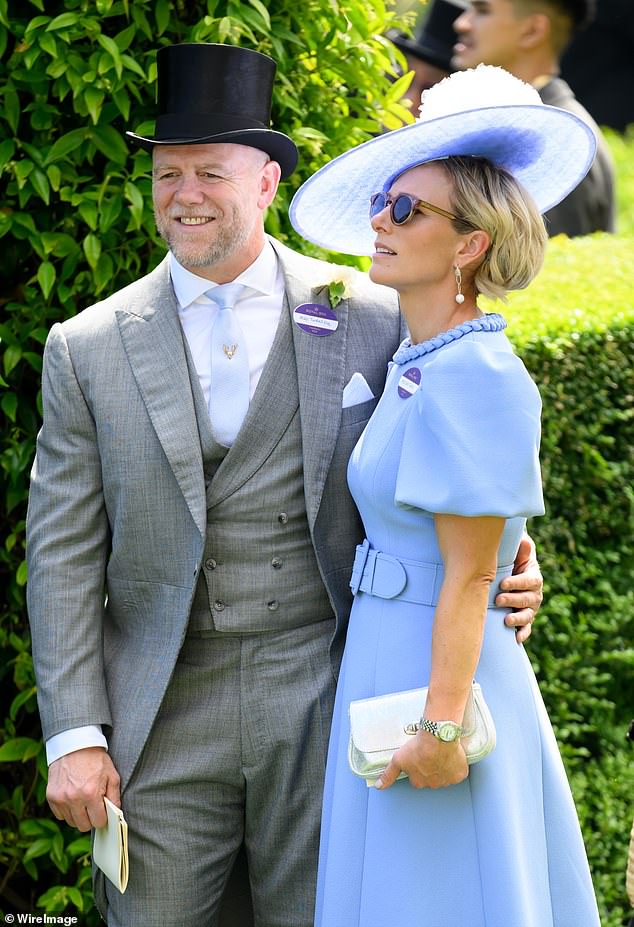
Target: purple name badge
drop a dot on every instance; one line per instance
(315, 319)
(409, 383)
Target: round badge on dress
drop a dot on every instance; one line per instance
(315, 319)
(409, 383)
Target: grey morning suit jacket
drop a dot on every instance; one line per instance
(117, 511)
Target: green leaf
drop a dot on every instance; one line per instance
(39, 182)
(110, 143)
(21, 699)
(135, 198)
(46, 274)
(54, 899)
(92, 249)
(7, 150)
(5, 221)
(67, 143)
(112, 48)
(12, 357)
(94, 101)
(125, 38)
(54, 176)
(63, 21)
(109, 212)
(48, 43)
(11, 108)
(21, 575)
(162, 12)
(103, 272)
(88, 211)
(39, 847)
(262, 10)
(133, 65)
(9, 404)
(20, 748)
(76, 898)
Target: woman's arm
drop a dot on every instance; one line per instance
(469, 549)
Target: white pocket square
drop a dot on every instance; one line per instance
(356, 391)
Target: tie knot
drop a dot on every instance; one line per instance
(227, 295)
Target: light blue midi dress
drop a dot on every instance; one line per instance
(456, 431)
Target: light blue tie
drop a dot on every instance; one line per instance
(229, 387)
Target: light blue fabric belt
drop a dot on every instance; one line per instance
(413, 581)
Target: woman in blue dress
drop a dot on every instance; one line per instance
(444, 476)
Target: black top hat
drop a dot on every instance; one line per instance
(217, 93)
(436, 38)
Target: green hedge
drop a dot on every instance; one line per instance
(574, 328)
(75, 224)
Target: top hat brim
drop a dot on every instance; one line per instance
(439, 57)
(278, 146)
(547, 149)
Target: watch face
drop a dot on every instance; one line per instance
(449, 731)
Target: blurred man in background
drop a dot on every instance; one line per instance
(528, 38)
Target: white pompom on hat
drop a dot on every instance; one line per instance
(483, 111)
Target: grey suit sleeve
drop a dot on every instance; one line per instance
(67, 549)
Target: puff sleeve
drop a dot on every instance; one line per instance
(471, 443)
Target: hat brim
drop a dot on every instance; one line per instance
(278, 146)
(547, 149)
(439, 57)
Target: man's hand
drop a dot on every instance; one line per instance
(522, 591)
(77, 784)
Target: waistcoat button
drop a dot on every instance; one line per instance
(211, 563)
(282, 518)
(276, 563)
(218, 605)
(273, 606)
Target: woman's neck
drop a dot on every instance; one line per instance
(427, 317)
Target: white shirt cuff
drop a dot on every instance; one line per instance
(77, 738)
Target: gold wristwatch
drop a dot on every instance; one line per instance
(447, 731)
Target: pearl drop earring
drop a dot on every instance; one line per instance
(459, 297)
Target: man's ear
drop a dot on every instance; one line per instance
(535, 31)
(475, 246)
(269, 181)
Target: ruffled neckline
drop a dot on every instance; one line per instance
(492, 322)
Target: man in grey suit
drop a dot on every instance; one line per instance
(189, 559)
(528, 38)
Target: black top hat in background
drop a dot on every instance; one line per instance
(217, 93)
(435, 38)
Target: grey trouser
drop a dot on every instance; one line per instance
(237, 753)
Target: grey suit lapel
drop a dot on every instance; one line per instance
(320, 376)
(153, 341)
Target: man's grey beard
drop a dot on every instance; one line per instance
(229, 239)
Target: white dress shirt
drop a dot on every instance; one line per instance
(258, 311)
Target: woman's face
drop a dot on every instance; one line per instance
(419, 254)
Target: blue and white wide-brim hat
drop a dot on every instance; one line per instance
(483, 111)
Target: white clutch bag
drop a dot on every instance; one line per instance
(382, 724)
(110, 847)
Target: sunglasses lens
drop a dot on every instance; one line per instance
(378, 202)
(402, 209)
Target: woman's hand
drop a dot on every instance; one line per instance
(429, 763)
